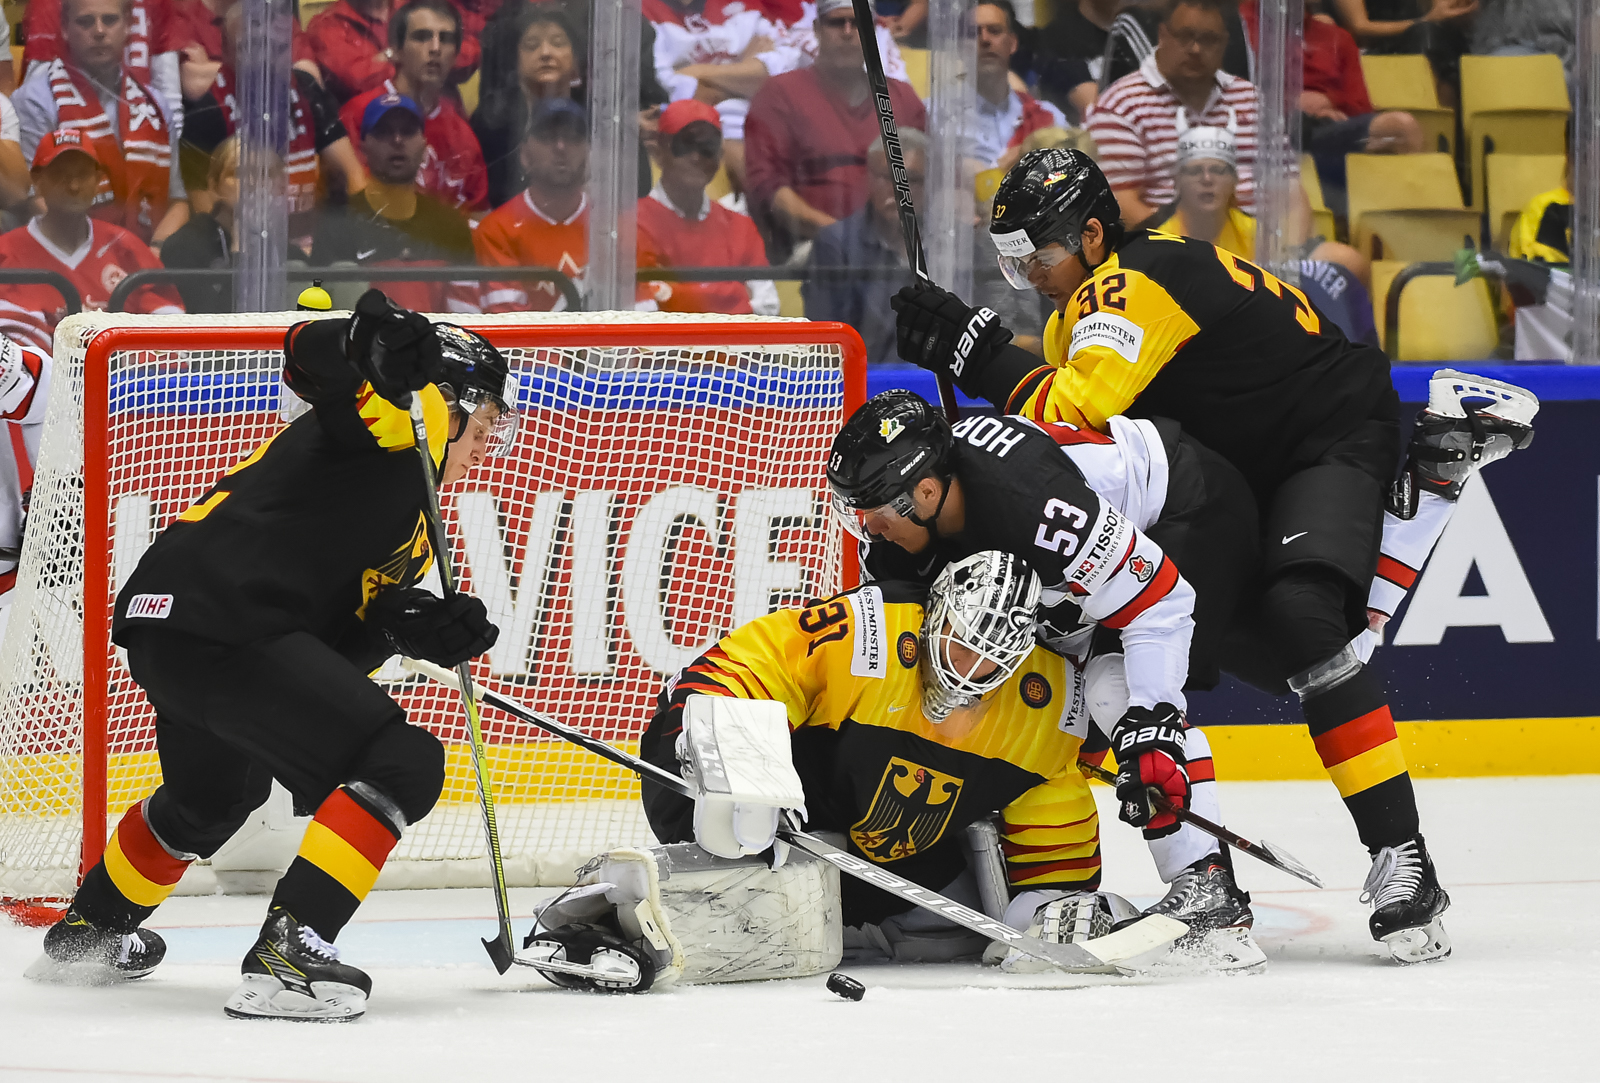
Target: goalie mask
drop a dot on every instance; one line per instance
(976, 630)
(1046, 199)
(475, 384)
(893, 441)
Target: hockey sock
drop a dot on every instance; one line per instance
(134, 875)
(1355, 736)
(1051, 839)
(344, 847)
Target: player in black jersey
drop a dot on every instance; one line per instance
(1108, 522)
(1151, 324)
(251, 624)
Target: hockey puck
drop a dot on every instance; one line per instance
(845, 986)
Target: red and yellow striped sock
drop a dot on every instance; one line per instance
(134, 875)
(1355, 737)
(344, 848)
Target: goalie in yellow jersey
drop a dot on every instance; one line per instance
(926, 727)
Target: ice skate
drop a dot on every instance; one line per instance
(78, 953)
(1451, 440)
(292, 973)
(1406, 903)
(1204, 897)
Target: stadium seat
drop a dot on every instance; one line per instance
(1410, 203)
(469, 93)
(917, 61)
(1322, 221)
(310, 9)
(1512, 105)
(1439, 321)
(1405, 82)
(1512, 181)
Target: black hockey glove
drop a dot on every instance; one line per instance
(936, 330)
(1148, 743)
(395, 349)
(444, 631)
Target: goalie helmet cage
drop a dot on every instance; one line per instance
(668, 484)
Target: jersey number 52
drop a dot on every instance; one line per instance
(1063, 541)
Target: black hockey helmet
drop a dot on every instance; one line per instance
(475, 380)
(1046, 198)
(893, 441)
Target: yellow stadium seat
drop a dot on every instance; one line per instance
(720, 184)
(1405, 82)
(1411, 203)
(310, 9)
(790, 301)
(1512, 105)
(1322, 222)
(1513, 180)
(1439, 321)
(469, 93)
(917, 61)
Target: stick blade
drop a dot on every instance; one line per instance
(500, 952)
(1290, 864)
(1144, 937)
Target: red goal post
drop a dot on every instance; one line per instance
(668, 483)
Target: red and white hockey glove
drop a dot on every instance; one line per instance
(1148, 743)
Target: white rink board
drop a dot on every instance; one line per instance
(1518, 1000)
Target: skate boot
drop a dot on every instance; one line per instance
(1205, 897)
(292, 973)
(1406, 903)
(1452, 440)
(78, 953)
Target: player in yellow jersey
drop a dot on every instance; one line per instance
(1150, 324)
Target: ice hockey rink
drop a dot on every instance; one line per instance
(1517, 1001)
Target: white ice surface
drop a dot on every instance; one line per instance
(1518, 1001)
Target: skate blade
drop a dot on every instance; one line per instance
(1507, 401)
(261, 996)
(84, 972)
(1425, 944)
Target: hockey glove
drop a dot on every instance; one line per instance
(395, 349)
(444, 631)
(1149, 745)
(936, 330)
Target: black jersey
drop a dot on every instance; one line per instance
(302, 533)
(1175, 327)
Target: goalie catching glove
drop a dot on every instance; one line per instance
(1149, 745)
(394, 349)
(444, 631)
(936, 330)
(736, 755)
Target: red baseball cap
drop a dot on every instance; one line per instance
(680, 114)
(60, 142)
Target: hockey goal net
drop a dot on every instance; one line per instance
(668, 483)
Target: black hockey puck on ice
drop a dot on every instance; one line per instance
(845, 986)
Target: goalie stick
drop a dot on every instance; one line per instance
(1275, 856)
(1099, 956)
(502, 949)
(878, 83)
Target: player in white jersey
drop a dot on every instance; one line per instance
(24, 387)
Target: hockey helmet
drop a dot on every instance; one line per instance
(475, 380)
(893, 441)
(1045, 199)
(985, 604)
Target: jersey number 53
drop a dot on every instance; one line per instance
(1063, 541)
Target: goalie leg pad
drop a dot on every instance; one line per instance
(612, 922)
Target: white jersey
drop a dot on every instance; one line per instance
(720, 33)
(24, 387)
(1127, 468)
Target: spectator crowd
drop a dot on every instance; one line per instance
(449, 133)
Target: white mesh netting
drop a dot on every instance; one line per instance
(658, 495)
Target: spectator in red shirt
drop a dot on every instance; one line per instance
(197, 34)
(807, 135)
(683, 227)
(93, 254)
(424, 36)
(1336, 114)
(351, 44)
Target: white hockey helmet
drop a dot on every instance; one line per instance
(983, 605)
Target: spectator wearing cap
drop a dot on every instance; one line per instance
(424, 37)
(1334, 276)
(350, 41)
(392, 222)
(684, 227)
(1005, 117)
(320, 151)
(808, 132)
(92, 88)
(92, 253)
(870, 239)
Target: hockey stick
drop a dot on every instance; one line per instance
(501, 949)
(878, 84)
(1098, 956)
(1275, 856)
